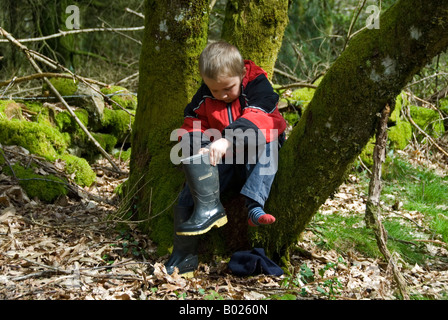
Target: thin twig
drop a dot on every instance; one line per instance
(141, 15)
(285, 74)
(297, 85)
(352, 24)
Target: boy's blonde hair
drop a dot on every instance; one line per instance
(221, 59)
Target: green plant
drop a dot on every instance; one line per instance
(330, 286)
(130, 245)
(212, 294)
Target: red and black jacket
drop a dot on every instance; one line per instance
(256, 108)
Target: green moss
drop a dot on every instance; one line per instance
(118, 123)
(291, 117)
(73, 133)
(444, 105)
(122, 96)
(367, 153)
(257, 29)
(429, 120)
(64, 121)
(400, 134)
(80, 168)
(65, 86)
(9, 109)
(39, 139)
(303, 96)
(46, 188)
(3, 104)
(107, 141)
(123, 155)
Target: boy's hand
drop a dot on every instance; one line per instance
(217, 150)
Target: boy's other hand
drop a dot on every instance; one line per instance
(217, 150)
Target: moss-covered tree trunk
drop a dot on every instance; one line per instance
(175, 34)
(343, 114)
(256, 27)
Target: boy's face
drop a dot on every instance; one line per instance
(224, 88)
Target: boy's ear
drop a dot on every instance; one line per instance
(244, 73)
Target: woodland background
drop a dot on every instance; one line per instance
(76, 245)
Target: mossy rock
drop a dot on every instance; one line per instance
(46, 188)
(44, 139)
(67, 125)
(65, 121)
(118, 123)
(38, 138)
(84, 176)
(65, 86)
(106, 141)
(122, 96)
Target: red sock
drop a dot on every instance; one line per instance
(258, 217)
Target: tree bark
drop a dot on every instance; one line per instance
(175, 35)
(373, 211)
(342, 116)
(256, 27)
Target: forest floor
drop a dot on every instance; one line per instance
(71, 250)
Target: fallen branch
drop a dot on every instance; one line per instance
(48, 75)
(58, 95)
(373, 209)
(66, 33)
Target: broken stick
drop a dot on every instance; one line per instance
(373, 208)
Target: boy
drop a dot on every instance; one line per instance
(237, 101)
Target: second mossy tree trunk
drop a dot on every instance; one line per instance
(175, 35)
(343, 114)
(256, 27)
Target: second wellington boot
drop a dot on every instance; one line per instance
(203, 181)
(184, 255)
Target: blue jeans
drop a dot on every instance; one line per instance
(254, 178)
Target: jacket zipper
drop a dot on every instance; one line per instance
(229, 112)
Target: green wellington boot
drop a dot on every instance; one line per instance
(203, 181)
(184, 255)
